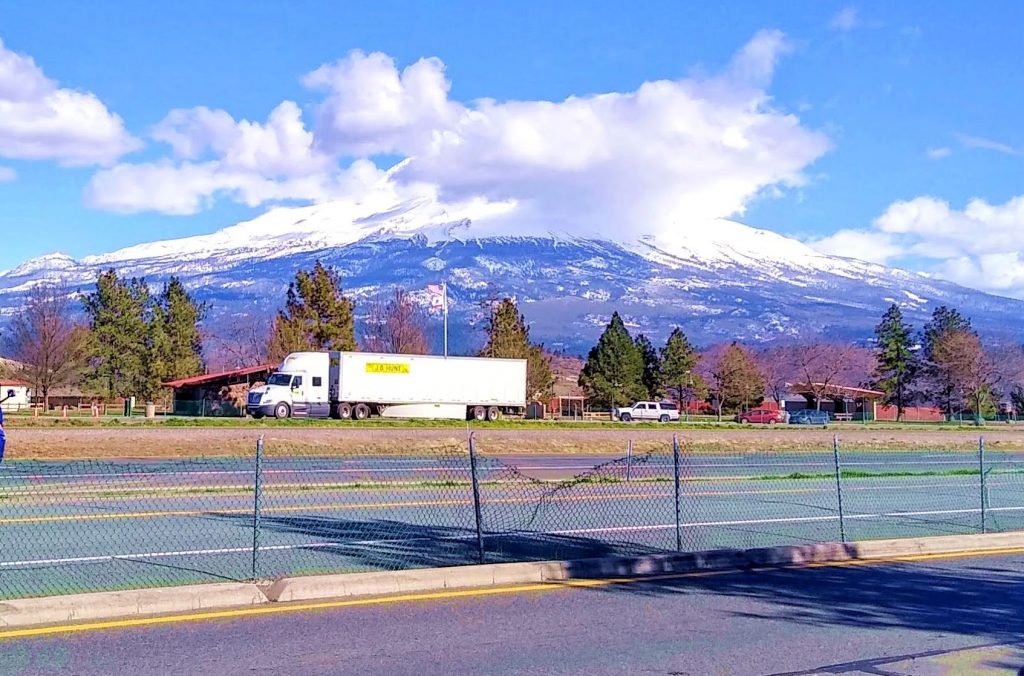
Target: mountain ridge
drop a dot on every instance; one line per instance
(723, 281)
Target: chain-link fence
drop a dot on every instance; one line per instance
(295, 509)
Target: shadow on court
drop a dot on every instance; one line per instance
(344, 544)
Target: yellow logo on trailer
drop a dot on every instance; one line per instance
(386, 367)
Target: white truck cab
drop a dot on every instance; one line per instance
(662, 411)
(297, 389)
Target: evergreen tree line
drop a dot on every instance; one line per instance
(133, 340)
(943, 364)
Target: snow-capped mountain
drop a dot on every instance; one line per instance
(724, 281)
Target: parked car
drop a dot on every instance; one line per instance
(662, 411)
(761, 416)
(809, 417)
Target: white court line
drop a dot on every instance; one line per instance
(576, 531)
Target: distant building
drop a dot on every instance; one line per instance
(216, 394)
(842, 401)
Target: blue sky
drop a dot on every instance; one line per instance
(905, 111)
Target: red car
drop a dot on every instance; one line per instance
(762, 416)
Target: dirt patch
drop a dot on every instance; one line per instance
(159, 442)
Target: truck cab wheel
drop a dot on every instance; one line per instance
(663, 418)
(282, 410)
(361, 412)
(493, 414)
(343, 411)
(626, 417)
(479, 413)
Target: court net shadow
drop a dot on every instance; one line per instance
(380, 544)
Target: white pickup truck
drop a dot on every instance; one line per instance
(662, 411)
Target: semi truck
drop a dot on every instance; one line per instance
(356, 385)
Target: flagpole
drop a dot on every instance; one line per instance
(444, 293)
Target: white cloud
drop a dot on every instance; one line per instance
(658, 160)
(372, 108)
(845, 19)
(938, 153)
(7, 174)
(248, 162)
(982, 143)
(874, 247)
(40, 120)
(981, 245)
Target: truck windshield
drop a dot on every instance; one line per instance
(279, 379)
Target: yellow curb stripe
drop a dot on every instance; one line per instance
(275, 609)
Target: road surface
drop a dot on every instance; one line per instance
(949, 616)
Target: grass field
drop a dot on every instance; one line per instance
(178, 441)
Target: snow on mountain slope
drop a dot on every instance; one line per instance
(722, 281)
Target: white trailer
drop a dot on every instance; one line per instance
(359, 384)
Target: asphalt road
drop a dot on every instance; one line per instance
(86, 526)
(955, 616)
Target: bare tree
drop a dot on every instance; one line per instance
(966, 366)
(779, 366)
(824, 366)
(396, 324)
(241, 343)
(49, 346)
(734, 381)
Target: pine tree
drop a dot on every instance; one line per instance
(678, 363)
(508, 337)
(898, 367)
(613, 374)
(117, 313)
(158, 354)
(317, 316)
(652, 367)
(182, 315)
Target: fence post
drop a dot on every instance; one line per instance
(981, 470)
(629, 459)
(839, 487)
(675, 463)
(476, 498)
(257, 508)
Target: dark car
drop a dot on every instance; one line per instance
(761, 416)
(809, 417)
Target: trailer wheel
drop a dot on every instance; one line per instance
(361, 412)
(344, 411)
(479, 413)
(493, 414)
(282, 410)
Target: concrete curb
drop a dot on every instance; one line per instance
(122, 604)
(462, 577)
(127, 604)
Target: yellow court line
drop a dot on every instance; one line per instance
(372, 505)
(275, 609)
